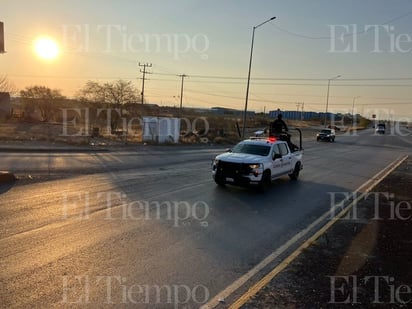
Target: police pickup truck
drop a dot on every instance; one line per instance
(258, 161)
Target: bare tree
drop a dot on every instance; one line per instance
(7, 86)
(92, 92)
(116, 93)
(121, 92)
(42, 98)
(111, 94)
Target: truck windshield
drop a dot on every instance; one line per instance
(260, 150)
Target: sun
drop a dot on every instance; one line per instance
(46, 48)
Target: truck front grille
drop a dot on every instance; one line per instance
(230, 169)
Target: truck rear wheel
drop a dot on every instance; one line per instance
(295, 174)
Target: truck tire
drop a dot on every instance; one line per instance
(220, 183)
(295, 174)
(265, 183)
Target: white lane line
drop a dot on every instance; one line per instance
(364, 189)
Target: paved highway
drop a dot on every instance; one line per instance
(149, 228)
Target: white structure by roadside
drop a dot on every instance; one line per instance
(161, 129)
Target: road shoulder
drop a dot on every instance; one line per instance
(363, 261)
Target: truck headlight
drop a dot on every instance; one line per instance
(256, 169)
(215, 162)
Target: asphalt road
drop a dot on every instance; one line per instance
(148, 228)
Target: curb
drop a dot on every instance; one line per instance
(46, 150)
(6, 177)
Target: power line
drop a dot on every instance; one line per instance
(311, 37)
(193, 78)
(219, 93)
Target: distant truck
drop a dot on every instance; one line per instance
(257, 162)
(326, 135)
(380, 128)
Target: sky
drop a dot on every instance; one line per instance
(368, 44)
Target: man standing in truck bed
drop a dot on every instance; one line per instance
(279, 129)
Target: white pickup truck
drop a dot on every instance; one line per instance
(258, 161)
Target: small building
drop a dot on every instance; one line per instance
(298, 115)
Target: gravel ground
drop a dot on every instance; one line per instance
(363, 261)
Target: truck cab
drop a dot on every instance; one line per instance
(257, 161)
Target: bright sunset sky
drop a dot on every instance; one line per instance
(368, 43)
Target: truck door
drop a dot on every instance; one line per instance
(286, 161)
(277, 160)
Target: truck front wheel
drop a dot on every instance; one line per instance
(220, 182)
(266, 181)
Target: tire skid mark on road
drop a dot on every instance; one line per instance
(405, 140)
(31, 253)
(15, 194)
(79, 234)
(27, 212)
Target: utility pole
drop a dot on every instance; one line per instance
(301, 115)
(353, 110)
(182, 76)
(327, 98)
(145, 65)
(297, 110)
(2, 38)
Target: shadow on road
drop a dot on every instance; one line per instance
(6, 187)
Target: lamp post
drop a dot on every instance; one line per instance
(327, 97)
(248, 76)
(353, 110)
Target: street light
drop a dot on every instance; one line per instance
(353, 110)
(327, 97)
(248, 76)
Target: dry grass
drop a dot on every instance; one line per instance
(221, 130)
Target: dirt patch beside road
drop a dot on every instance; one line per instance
(363, 261)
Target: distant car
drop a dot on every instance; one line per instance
(333, 127)
(326, 135)
(380, 128)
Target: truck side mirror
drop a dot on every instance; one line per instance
(276, 156)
